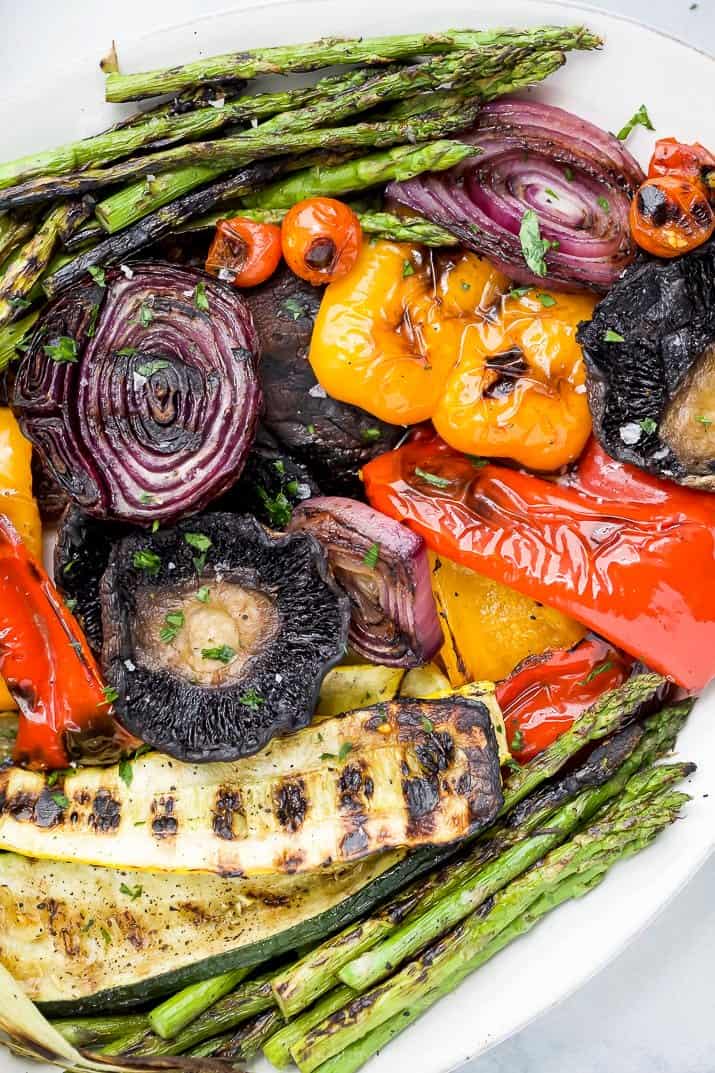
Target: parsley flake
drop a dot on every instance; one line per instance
(345, 748)
(148, 368)
(546, 300)
(110, 694)
(613, 337)
(295, 308)
(172, 624)
(432, 478)
(601, 668)
(640, 118)
(63, 351)
(222, 653)
(278, 507)
(203, 594)
(131, 892)
(519, 292)
(70, 603)
(146, 560)
(60, 799)
(201, 543)
(408, 269)
(200, 298)
(648, 425)
(252, 699)
(146, 315)
(604, 203)
(551, 193)
(98, 275)
(127, 352)
(569, 173)
(704, 419)
(126, 773)
(371, 556)
(370, 435)
(533, 246)
(427, 724)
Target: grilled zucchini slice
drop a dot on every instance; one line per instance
(403, 774)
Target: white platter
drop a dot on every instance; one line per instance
(637, 65)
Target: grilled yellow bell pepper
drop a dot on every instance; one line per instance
(16, 501)
(488, 627)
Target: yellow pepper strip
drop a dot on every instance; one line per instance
(16, 501)
(409, 335)
(490, 628)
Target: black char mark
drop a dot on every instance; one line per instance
(228, 806)
(291, 804)
(106, 812)
(164, 824)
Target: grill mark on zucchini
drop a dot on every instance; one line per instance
(106, 812)
(164, 824)
(291, 804)
(228, 813)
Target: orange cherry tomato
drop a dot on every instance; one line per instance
(321, 239)
(671, 157)
(244, 252)
(671, 215)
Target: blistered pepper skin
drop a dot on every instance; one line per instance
(410, 336)
(628, 555)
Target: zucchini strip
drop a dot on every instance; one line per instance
(404, 774)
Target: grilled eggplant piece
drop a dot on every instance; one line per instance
(333, 439)
(403, 774)
(81, 556)
(217, 636)
(650, 356)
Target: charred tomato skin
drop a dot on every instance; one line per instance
(276, 689)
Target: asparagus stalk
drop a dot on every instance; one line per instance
(33, 258)
(317, 972)
(277, 1047)
(402, 162)
(247, 1042)
(248, 146)
(117, 248)
(12, 335)
(167, 128)
(13, 231)
(175, 1013)
(381, 224)
(316, 54)
(457, 954)
(135, 201)
(354, 1057)
(419, 930)
(89, 1031)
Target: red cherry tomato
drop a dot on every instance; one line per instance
(543, 696)
(244, 252)
(321, 239)
(671, 215)
(671, 157)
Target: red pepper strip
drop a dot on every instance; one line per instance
(628, 555)
(671, 157)
(543, 695)
(47, 665)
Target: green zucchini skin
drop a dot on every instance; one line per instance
(309, 931)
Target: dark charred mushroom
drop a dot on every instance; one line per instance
(82, 552)
(271, 486)
(141, 391)
(650, 356)
(333, 439)
(217, 635)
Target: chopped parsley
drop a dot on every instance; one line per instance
(252, 699)
(648, 425)
(60, 799)
(146, 315)
(126, 773)
(98, 275)
(279, 466)
(546, 300)
(148, 368)
(278, 508)
(155, 526)
(369, 435)
(295, 308)
(601, 668)
(64, 350)
(551, 193)
(110, 694)
(408, 269)
(20, 304)
(310, 429)
(371, 556)
(533, 246)
(222, 653)
(465, 286)
(477, 462)
(517, 742)
(427, 724)
(640, 118)
(569, 173)
(201, 543)
(432, 478)
(127, 352)
(106, 936)
(603, 203)
(704, 419)
(146, 560)
(292, 487)
(519, 292)
(200, 299)
(131, 892)
(172, 624)
(70, 603)
(203, 594)
(345, 748)
(146, 497)
(88, 925)
(613, 337)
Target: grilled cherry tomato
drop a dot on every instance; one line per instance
(543, 695)
(321, 239)
(244, 252)
(671, 215)
(671, 157)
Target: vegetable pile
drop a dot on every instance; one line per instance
(375, 414)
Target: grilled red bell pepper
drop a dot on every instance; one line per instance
(50, 671)
(543, 695)
(671, 157)
(629, 555)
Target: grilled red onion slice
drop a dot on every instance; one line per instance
(577, 179)
(383, 567)
(141, 391)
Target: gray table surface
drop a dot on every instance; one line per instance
(652, 1010)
